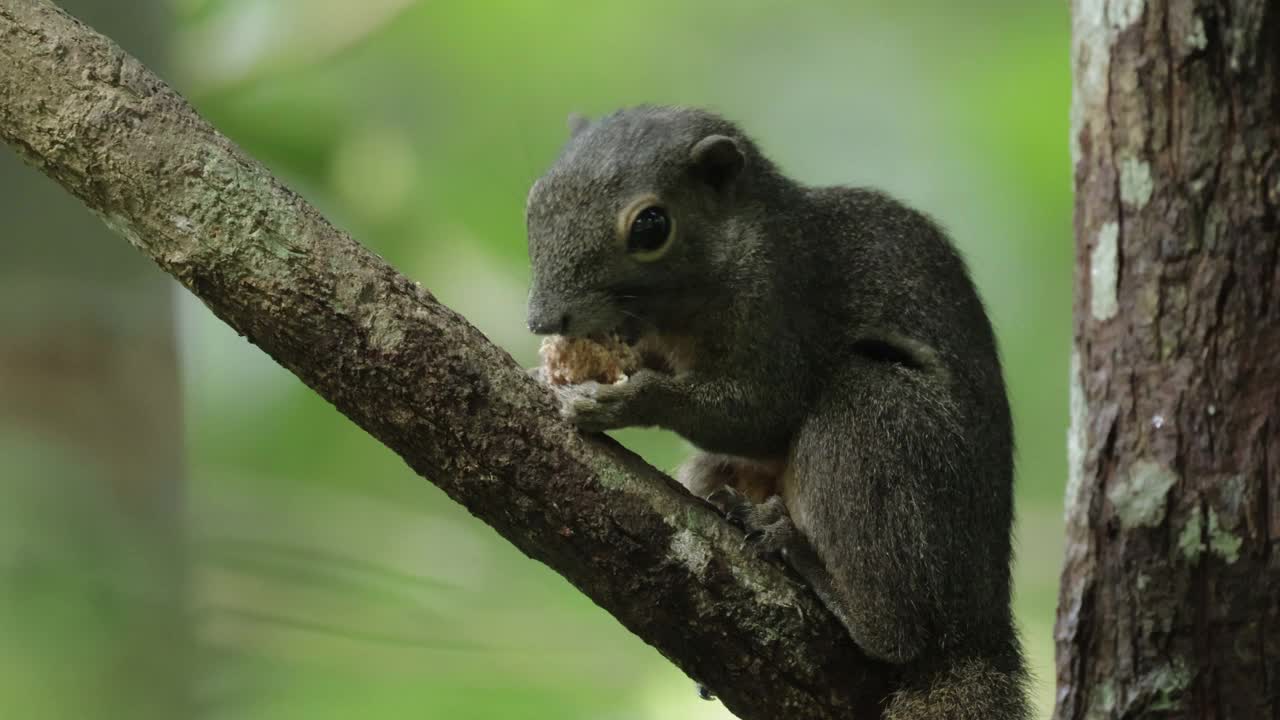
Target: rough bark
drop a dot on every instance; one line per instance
(417, 376)
(1170, 599)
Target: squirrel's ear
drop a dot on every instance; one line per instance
(577, 122)
(718, 160)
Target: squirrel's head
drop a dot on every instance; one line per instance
(633, 220)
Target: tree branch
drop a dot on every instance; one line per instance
(417, 376)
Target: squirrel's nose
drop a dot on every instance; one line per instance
(548, 323)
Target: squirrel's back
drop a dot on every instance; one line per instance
(898, 274)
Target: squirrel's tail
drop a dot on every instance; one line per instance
(972, 688)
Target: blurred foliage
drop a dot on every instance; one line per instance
(332, 582)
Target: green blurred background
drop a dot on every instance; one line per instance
(304, 571)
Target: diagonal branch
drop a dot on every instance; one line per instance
(416, 375)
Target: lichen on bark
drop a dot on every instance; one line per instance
(1170, 597)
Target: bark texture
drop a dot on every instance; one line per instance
(417, 376)
(1170, 599)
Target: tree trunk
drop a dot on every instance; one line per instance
(92, 581)
(1170, 599)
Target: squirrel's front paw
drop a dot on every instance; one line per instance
(580, 404)
(594, 407)
(767, 525)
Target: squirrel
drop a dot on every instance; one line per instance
(827, 353)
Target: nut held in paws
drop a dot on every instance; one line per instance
(570, 361)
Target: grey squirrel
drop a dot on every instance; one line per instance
(827, 353)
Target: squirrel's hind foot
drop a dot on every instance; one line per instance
(767, 525)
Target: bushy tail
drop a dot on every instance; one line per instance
(966, 689)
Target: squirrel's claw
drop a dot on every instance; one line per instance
(767, 526)
(593, 407)
(730, 502)
(596, 407)
(580, 405)
(772, 539)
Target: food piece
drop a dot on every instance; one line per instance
(573, 360)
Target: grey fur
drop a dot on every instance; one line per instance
(833, 332)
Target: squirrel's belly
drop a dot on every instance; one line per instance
(757, 480)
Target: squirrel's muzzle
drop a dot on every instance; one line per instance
(546, 315)
(548, 324)
(583, 315)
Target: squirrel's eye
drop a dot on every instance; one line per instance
(649, 230)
